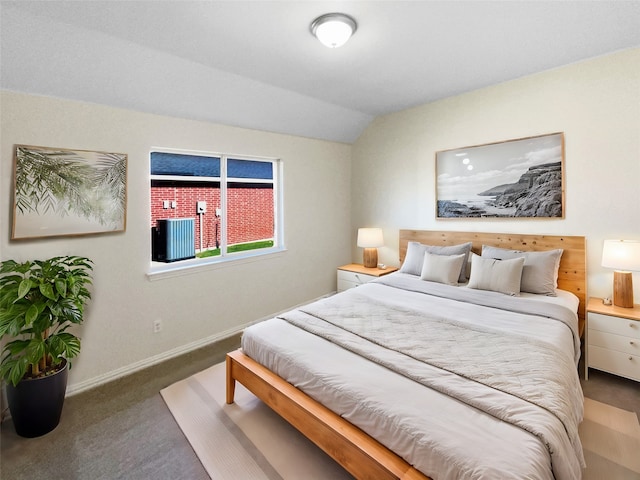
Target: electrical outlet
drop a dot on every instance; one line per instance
(157, 326)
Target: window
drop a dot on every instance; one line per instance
(215, 207)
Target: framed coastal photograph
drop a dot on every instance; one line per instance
(61, 192)
(521, 178)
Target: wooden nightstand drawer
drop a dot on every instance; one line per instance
(614, 342)
(618, 363)
(616, 325)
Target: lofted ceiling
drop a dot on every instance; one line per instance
(256, 65)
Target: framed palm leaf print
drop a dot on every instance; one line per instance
(61, 192)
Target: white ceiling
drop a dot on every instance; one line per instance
(260, 57)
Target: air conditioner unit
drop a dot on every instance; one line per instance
(173, 239)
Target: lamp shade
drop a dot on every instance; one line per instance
(621, 255)
(370, 237)
(333, 29)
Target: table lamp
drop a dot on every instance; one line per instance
(370, 239)
(623, 256)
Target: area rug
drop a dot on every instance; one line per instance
(611, 441)
(247, 440)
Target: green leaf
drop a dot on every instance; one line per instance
(24, 288)
(4, 328)
(35, 350)
(47, 290)
(70, 344)
(8, 266)
(13, 369)
(61, 287)
(31, 315)
(16, 348)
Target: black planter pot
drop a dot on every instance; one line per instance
(36, 404)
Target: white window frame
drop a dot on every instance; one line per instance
(159, 270)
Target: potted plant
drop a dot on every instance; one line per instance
(39, 301)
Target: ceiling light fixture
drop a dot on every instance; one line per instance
(333, 29)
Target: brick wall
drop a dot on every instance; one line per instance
(249, 208)
(250, 212)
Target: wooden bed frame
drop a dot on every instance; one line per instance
(359, 454)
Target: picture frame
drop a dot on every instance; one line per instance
(60, 192)
(520, 178)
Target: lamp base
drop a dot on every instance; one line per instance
(622, 289)
(370, 257)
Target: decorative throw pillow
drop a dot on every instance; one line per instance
(442, 268)
(540, 271)
(497, 275)
(414, 258)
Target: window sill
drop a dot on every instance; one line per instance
(160, 270)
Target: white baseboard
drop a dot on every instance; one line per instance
(148, 362)
(79, 387)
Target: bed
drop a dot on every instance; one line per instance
(412, 378)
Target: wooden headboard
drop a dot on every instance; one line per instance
(572, 274)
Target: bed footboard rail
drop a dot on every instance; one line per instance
(354, 450)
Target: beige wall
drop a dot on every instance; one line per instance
(595, 103)
(199, 307)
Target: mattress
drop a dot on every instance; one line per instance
(442, 435)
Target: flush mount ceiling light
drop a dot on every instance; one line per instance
(333, 29)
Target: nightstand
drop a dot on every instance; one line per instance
(613, 339)
(355, 274)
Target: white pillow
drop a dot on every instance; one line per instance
(502, 276)
(540, 271)
(442, 268)
(414, 258)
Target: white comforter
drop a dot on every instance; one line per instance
(473, 421)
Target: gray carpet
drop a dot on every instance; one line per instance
(124, 430)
